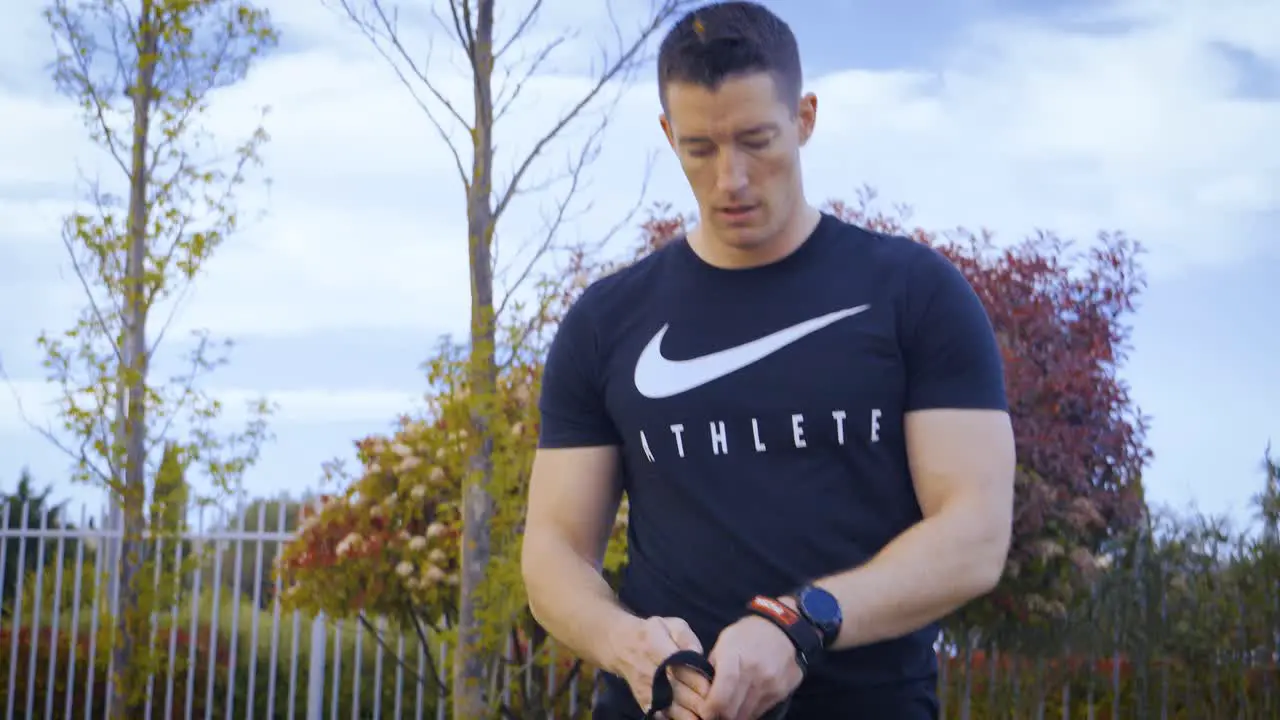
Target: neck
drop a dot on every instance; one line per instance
(787, 240)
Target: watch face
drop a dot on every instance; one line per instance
(821, 607)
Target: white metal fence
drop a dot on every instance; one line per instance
(225, 648)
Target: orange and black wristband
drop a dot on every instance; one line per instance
(803, 635)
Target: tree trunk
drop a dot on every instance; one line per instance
(470, 659)
(132, 619)
(129, 623)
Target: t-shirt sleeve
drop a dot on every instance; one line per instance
(572, 405)
(952, 357)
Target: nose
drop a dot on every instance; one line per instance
(731, 172)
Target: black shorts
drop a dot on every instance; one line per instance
(914, 700)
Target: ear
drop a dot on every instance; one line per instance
(807, 116)
(666, 129)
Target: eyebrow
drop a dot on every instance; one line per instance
(768, 127)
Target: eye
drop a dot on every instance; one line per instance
(757, 143)
(700, 151)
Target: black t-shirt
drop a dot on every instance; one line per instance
(759, 413)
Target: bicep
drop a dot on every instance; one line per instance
(960, 442)
(962, 458)
(573, 498)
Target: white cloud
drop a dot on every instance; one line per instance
(1030, 126)
(1037, 127)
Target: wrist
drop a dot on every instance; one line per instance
(619, 630)
(803, 636)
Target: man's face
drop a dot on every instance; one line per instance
(739, 146)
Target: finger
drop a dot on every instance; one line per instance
(681, 712)
(751, 706)
(691, 679)
(689, 697)
(681, 634)
(726, 692)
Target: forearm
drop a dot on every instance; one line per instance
(936, 566)
(571, 599)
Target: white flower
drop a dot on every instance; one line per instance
(418, 543)
(404, 569)
(349, 543)
(418, 492)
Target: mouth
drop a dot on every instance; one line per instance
(738, 212)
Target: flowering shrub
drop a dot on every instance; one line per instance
(388, 543)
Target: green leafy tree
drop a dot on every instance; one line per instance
(143, 73)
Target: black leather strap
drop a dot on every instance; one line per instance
(663, 695)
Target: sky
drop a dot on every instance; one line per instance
(1154, 117)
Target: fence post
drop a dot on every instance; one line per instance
(315, 675)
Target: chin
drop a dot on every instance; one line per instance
(746, 238)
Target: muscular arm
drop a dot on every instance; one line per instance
(574, 493)
(962, 462)
(960, 450)
(573, 499)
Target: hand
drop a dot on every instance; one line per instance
(756, 668)
(641, 646)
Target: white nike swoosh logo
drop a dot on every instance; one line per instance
(658, 377)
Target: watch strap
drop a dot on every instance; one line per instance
(806, 638)
(663, 694)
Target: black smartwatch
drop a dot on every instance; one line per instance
(822, 610)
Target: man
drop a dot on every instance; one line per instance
(808, 418)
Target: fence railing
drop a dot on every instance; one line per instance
(225, 648)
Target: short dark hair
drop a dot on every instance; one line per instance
(725, 39)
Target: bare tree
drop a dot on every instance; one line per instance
(471, 25)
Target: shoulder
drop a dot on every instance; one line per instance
(907, 267)
(621, 288)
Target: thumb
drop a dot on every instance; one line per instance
(682, 635)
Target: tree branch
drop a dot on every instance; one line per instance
(385, 31)
(79, 456)
(624, 62)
